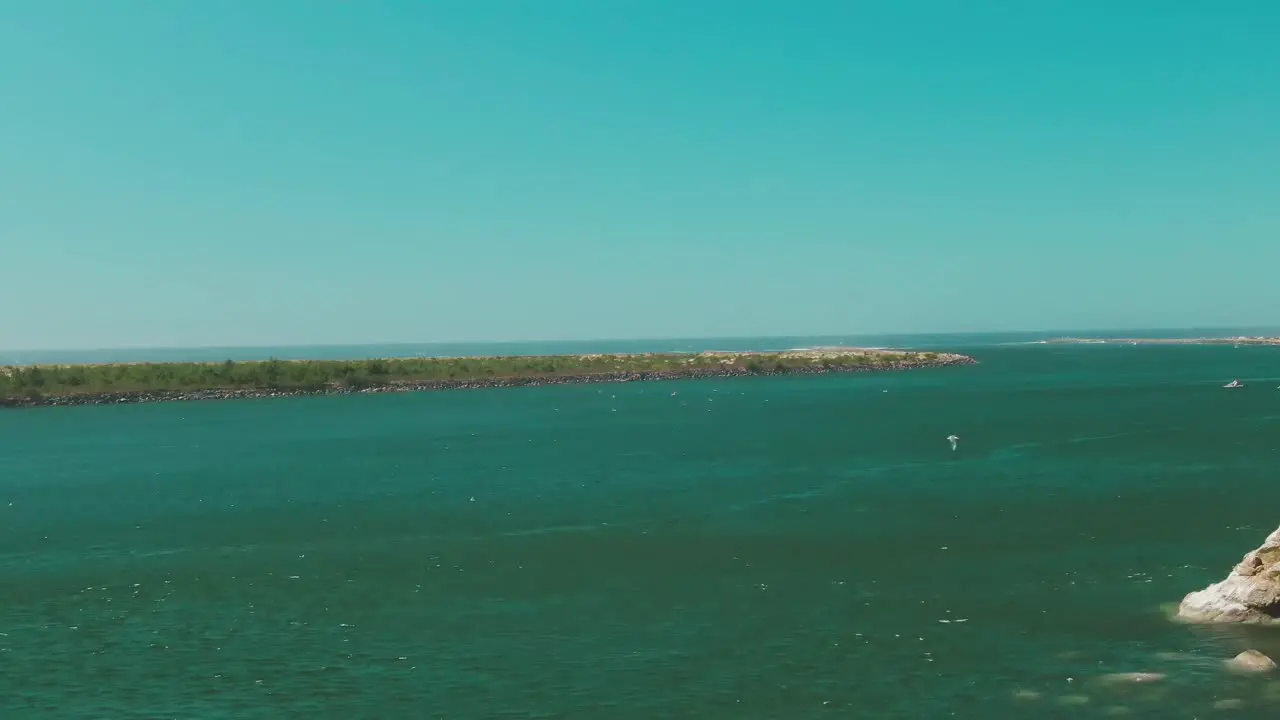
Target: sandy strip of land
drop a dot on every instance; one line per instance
(1256, 340)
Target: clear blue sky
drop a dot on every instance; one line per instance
(286, 171)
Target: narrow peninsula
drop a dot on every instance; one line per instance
(58, 385)
(1242, 340)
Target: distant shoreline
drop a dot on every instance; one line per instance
(1257, 340)
(121, 383)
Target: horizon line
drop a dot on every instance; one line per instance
(394, 343)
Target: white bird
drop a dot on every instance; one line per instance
(953, 440)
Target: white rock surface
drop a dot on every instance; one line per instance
(1251, 661)
(1250, 594)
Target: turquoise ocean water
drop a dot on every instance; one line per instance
(745, 548)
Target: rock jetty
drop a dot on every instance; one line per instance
(1249, 594)
(716, 364)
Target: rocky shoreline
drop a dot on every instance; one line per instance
(908, 361)
(1250, 594)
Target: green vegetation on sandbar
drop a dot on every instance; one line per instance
(29, 382)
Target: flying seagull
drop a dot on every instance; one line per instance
(953, 440)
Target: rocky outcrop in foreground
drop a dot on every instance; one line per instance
(1251, 661)
(1250, 594)
(903, 361)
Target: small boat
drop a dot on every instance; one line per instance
(1234, 384)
